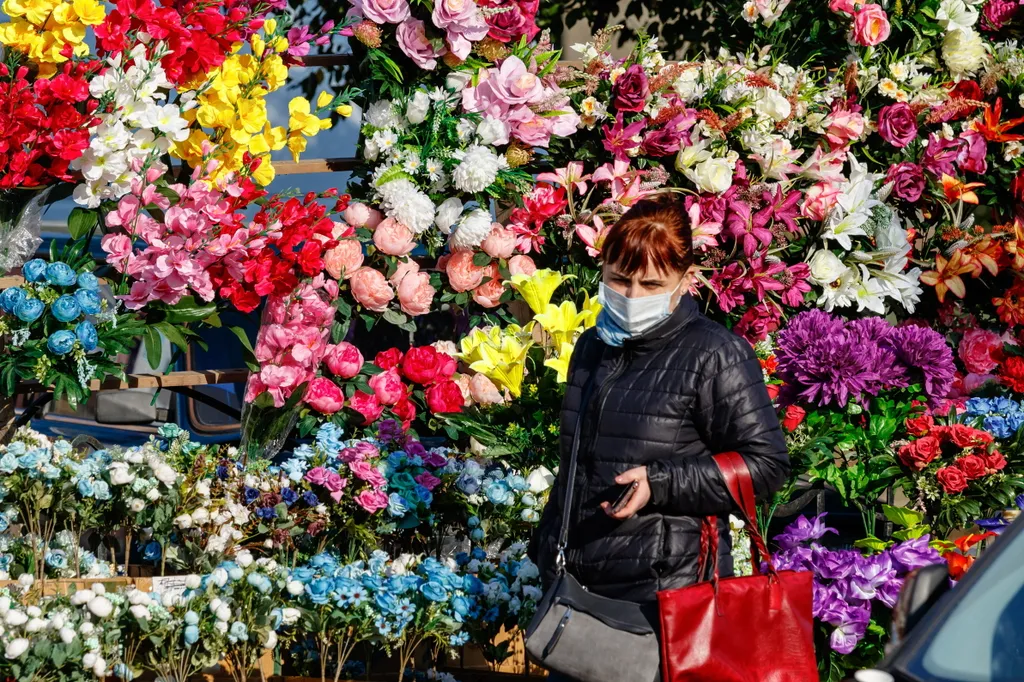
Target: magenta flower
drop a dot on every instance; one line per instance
(618, 139)
(318, 476)
(780, 208)
(796, 285)
(739, 224)
(730, 286)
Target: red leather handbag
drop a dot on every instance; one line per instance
(757, 628)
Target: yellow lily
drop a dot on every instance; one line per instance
(561, 321)
(505, 365)
(591, 307)
(538, 288)
(561, 363)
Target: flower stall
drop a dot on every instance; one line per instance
(853, 178)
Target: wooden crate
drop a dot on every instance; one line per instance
(52, 586)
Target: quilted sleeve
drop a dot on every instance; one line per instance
(733, 413)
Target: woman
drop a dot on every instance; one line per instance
(668, 388)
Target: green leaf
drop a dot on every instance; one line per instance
(188, 310)
(906, 518)
(248, 354)
(394, 317)
(871, 543)
(81, 221)
(480, 259)
(173, 334)
(154, 346)
(911, 533)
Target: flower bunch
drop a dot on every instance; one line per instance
(500, 502)
(52, 32)
(414, 476)
(1002, 417)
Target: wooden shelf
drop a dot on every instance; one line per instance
(169, 380)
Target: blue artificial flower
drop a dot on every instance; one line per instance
(294, 468)
(101, 491)
(387, 602)
(473, 521)
(319, 590)
(10, 298)
(8, 463)
(87, 336)
(152, 551)
(310, 498)
(397, 506)
(61, 342)
(56, 558)
(34, 270)
(4, 523)
(472, 585)
(29, 309)
(434, 591)
(238, 632)
(66, 308)
(492, 615)
(324, 562)
(191, 618)
(530, 515)
(60, 274)
(468, 483)
(88, 281)
(266, 513)
(996, 424)
(191, 635)
(222, 472)
(85, 488)
(403, 481)
(378, 559)
(260, 582)
(459, 639)
(423, 495)
(477, 534)
(123, 672)
(479, 553)
(529, 499)
(516, 482)
(31, 459)
(303, 574)
(289, 496)
(396, 459)
(497, 492)
(89, 301)
(460, 605)
(329, 438)
(235, 572)
(250, 495)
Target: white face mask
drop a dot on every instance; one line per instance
(636, 315)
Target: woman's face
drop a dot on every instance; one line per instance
(647, 282)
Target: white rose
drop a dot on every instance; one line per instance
(492, 131)
(57, 621)
(136, 505)
(221, 627)
(25, 580)
(219, 577)
(774, 105)
(98, 588)
(290, 616)
(86, 629)
(15, 648)
(458, 80)
(119, 474)
(136, 597)
(244, 558)
(166, 475)
(271, 641)
(826, 267)
(170, 599)
(216, 544)
(140, 612)
(99, 668)
(100, 607)
(203, 488)
(963, 51)
(89, 660)
(5, 605)
(295, 588)
(223, 613)
(712, 175)
(183, 521)
(540, 480)
(67, 635)
(35, 625)
(370, 150)
(200, 516)
(193, 581)
(153, 495)
(15, 618)
(34, 612)
(419, 105)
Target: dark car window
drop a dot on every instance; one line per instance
(983, 638)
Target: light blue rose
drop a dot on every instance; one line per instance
(530, 516)
(473, 522)
(34, 270)
(397, 506)
(85, 488)
(238, 632)
(8, 463)
(57, 558)
(529, 499)
(497, 492)
(61, 342)
(60, 274)
(87, 336)
(434, 591)
(477, 535)
(87, 280)
(191, 618)
(516, 482)
(89, 300)
(66, 308)
(260, 582)
(30, 460)
(101, 491)
(29, 309)
(10, 298)
(319, 590)
(4, 523)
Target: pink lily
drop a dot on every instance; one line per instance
(618, 139)
(704, 232)
(626, 183)
(592, 237)
(569, 176)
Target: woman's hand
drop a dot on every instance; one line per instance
(640, 498)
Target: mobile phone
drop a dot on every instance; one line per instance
(624, 497)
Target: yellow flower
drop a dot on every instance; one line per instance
(296, 145)
(269, 26)
(538, 288)
(591, 306)
(561, 321)
(90, 12)
(344, 110)
(265, 174)
(299, 118)
(505, 365)
(258, 44)
(561, 363)
(276, 72)
(323, 99)
(253, 114)
(63, 15)
(281, 45)
(36, 11)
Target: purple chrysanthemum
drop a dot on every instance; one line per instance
(870, 329)
(925, 350)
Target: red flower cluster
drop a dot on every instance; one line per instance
(972, 448)
(542, 203)
(200, 35)
(1011, 373)
(44, 125)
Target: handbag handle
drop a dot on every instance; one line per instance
(736, 476)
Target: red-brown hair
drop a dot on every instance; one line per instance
(653, 232)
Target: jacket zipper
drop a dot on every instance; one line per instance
(602, 395)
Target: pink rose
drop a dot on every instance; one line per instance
(428, 480)
(335, 484)
(845, 6)
(462, 274)
(344, 360)
(897, 124)
(819, 200)
(372, 500)
(344, 259)
(317, 476)
(907, 180)
(516, 19)
(363, 470)
(371, 289)
(359, 452)
(489, 293)
(415, 294)
(521, 265)
(483, 391)
(388, 387)
(972, 153)
(367, 405)
(462, 22)
(412, 39)
(977, 350)
(500, 243)
(870, 25)
(385, 11)
(324, 396)
(843, 125)
(394, 238)
(529, 128)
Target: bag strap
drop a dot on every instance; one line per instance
(563, 532)
(736, 476)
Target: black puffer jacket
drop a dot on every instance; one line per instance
(669, 399)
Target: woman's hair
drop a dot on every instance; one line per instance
(653, 232)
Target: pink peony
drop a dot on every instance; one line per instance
(344, 360)
(388, 387)
(978, 350)
(371, 289)
(385, 11)
(462, 274)
(356, 215)
(372, 501)
(500, 243)
(324, 396)
(367, 405)
(344, 259)
(415, 294)
(819, 200)
(521, 265)
(489, 293)
(870, 25)
(413, 41)
(462, 22)
(394, 238)
(483, 391)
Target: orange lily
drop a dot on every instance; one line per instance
(955, 190)
(1015, 247)
(960, 559)
(994, 131)
(986, 254)
(946, 275)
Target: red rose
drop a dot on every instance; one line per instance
(388, 359)
(422, 365)
(445, 396)
(952, 480)
(920, 426)
(794, 417)
(631, 90)
(994, 462)
(1012, 373)
(921, 452)
(967, 437)
(773, 391)
(367, 405)
(972, 466)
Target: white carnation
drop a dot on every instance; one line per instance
(383, 114)
(963, 50)
(472, 230)
(477, 169)
(447, 213)
(404, 202)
